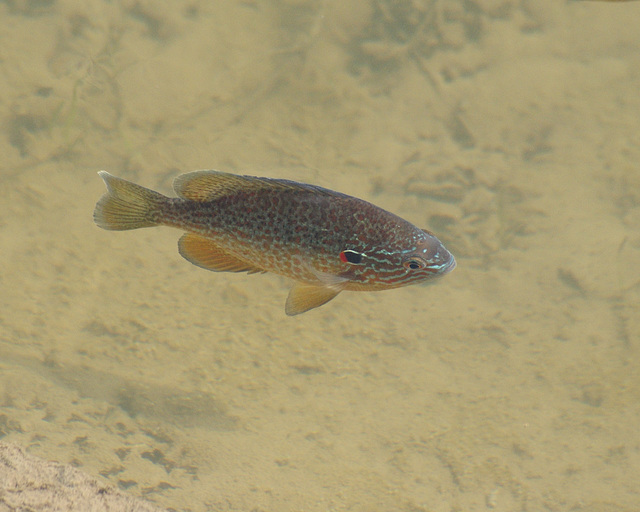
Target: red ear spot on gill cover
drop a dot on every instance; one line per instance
(351, 257)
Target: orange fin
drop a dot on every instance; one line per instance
(304, 297)
(205, 253)
(211, 185)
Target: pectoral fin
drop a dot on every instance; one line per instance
(304, 297)
(205, 253)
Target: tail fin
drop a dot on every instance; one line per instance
(127, 205)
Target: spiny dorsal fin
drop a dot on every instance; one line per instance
(205, 253)
(210, 185)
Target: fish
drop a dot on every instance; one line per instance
(325, 241)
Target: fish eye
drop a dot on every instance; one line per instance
(349, 256)
(415, 264)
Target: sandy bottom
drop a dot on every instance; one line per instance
(509, 128)
(30, 483)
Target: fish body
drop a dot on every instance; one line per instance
(326, 241)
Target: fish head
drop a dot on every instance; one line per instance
(427, 259)
(420, 257)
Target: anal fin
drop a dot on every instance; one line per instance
(205, 253)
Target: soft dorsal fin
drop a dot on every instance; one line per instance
(210, 185)
(205, 253)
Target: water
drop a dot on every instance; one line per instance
(509, 128)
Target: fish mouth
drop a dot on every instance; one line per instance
(446, 265)
(450, 265)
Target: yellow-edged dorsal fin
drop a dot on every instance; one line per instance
(205, 253)
(304, 297)
(211, 185)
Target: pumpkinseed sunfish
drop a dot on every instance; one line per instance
(325, 241)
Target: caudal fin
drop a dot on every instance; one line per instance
(127, 205)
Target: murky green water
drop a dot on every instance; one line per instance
(510, 128)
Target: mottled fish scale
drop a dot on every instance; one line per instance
(283, 232)
(325, 240)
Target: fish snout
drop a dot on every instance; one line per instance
(439, 261)
(448, 265)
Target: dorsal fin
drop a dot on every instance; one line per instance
(210, 185)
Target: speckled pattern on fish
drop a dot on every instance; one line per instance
(324, 240)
